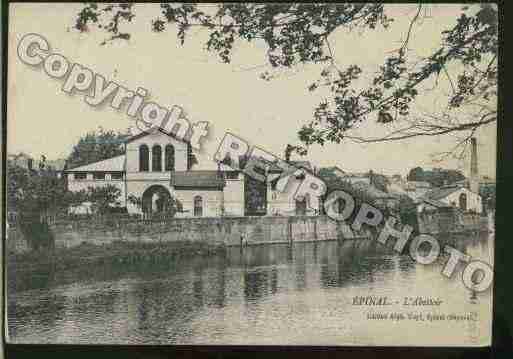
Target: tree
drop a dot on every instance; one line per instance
(172, 206)
(297, 33)
(436, 177)
(379, 181)
(415, 174)
(290, 149)
(407, 211)
(488, 195)
(102, 198)
(34, 194)
(255, 196)
(96, 146)
(335, 183)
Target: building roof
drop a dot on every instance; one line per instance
(275, 168)
(442, 192)
(419, 184)
(152, 130)
(396, 189)
(113, 164)
(435, 203)
(373, 191)
(303, 164)
(334, 168)
(197, 179)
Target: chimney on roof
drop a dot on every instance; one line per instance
(474, 173)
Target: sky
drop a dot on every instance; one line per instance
(42, 119)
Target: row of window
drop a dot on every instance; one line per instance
(98, 175)
(119, 175)
(156, 158)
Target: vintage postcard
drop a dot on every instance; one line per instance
(251, 174)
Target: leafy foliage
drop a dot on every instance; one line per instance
(255, 196)
(296, 33)
(407, 211)
(35, 193)
(488, 193)
(290, 149)
(379, 181)
(102, 198)
(96, 146)
(171, 205)
(135, 200)
(436, 177)
(335, 183)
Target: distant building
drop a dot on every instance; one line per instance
(463, 195)
(336, 170)
(28, 162)
(430, 205)
(457, 197)
(383, 199)
(23, 160)
(357, 179)
(397, 178)
(282, 203)
(416, 189)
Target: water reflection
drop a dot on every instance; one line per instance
(261, 292)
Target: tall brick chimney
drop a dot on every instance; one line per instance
(474, 173)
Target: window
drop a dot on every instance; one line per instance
(80, 176)
(156, 153)
(463, 202)
(198, 206)
(144, 159)
(301, 207)
(116, 175)
(99, 176)
(170, 158)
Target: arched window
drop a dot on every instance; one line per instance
(463, 202)
(156, 154)
(198, 206)
(301, 207)
(170, 158)
(144, 158)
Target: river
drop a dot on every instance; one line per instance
(266, 294)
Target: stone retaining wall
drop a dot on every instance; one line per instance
(226, 230)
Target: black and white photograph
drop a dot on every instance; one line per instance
(294, 174)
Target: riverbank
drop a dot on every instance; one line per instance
(87, 254)
(105, 232)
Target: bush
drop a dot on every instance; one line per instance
(38, 235)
